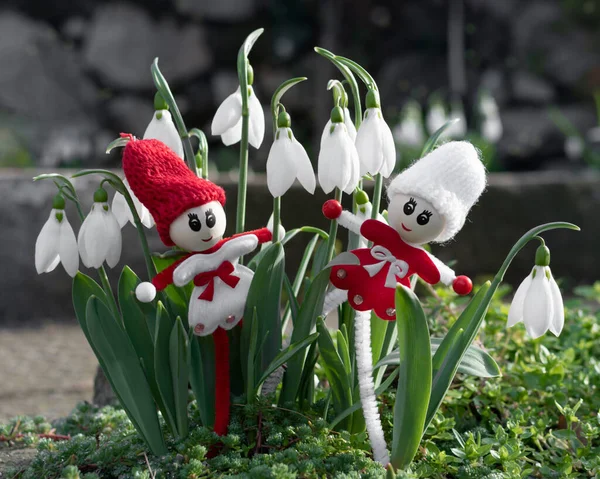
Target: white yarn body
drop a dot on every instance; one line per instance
(364, 363)
(333, 299)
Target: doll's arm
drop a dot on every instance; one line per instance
(146, 291)
(332, 209)
(461, 284)
(264, 235)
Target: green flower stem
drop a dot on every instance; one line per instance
(377, 195)
(202, 154)
(276, 218)
(333, 230)
(479, 314)
(163, 87)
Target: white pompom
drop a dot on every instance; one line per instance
(145, 292)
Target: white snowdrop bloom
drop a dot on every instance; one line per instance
(56, 242)
(121, 210)
(287, 161)
(409, 131)
(538, 302)
(350, 128)
(338, 162)
(162, 128)
(491, 126)
(374, 141)
(227, 121)
(436, 117)
(574, 147)
(458, 129)
(99, 238)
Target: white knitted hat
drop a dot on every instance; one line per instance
(451, 178)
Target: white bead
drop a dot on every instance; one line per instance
(145, 292)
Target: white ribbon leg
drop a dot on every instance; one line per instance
(333, 299)
(364, 361)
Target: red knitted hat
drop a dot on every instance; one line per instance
(164, 184)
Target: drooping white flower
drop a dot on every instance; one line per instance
(99, 238)
(121, 210)
(227, 121)
(409, 131)
(491, 124)
(338, 163)
(287, 161)
(56, 242)
(349, 126)
(538, 302)
(162, 128)
(436, 116)
(374, 141)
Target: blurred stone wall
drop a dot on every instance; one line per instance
(75, 74)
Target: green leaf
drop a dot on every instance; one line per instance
(433, 139)
(264, 296)
(125, 372)
(285, 355)
(292, 305)
(202, 376)
(307, 380)
(251, 356)
(310, 309)
(336, 373)
(179, 361)
(414, 379)
(162, 365)
(178, 298)
(475, 362)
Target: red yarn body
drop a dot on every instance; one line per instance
(164, 184)
(222, 381)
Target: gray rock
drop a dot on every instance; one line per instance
(533, 23)
(503, 9)
(221, 10)
(528, 88)
(223, 83)
(123, 42)
(130, 114)
(75, 28)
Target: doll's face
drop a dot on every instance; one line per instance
(415, 219)
(199, 228)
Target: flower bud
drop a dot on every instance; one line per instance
(250, 74)
(159, 102)
(337, 115)
(361, 197)
(542, 256)
(372, 100)
(58, 203)
(284, 120)
(100, 195)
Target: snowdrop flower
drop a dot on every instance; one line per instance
(374, 140)
(409, 131)
(338, 159)
(538, 302)
(350, 128)
(56, 242)
(121, 210)
(436, 116)
(228, 119)
(287, 161)
(162, 128)
(99, 238)
(491, 125)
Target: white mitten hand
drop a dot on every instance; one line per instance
(145, 292)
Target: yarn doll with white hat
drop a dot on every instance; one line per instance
(189, 214)
(428, 202)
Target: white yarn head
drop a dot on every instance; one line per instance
(451, 178)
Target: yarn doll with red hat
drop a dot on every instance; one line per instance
(189, 214)
(428, 202)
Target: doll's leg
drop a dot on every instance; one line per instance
(364, 362)
(333, 299)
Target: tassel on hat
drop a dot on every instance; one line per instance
(451, 178)
(164, 184)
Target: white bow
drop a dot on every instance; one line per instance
(398, 268)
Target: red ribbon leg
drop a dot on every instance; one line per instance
(222, 383)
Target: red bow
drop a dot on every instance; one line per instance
(208, 278)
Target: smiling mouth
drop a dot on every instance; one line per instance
(207, 240)
(405, 228)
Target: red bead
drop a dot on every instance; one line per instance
(462, 285)
(332, 209)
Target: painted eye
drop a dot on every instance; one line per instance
(194, 222)
(409, 207)
(211, 219)
(423, 218)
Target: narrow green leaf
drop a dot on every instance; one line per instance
(292, 305)
(336, 373)
(307, 380)
(414, 379)
(178, 298)
(202, 376)
(310, 309)
(251, 357)
(162, 366)
(343, 350)
(285, 355)
(178, 355)
(125, 373)
(433, 139)
(265, 296)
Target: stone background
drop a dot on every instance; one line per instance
(75, 74)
